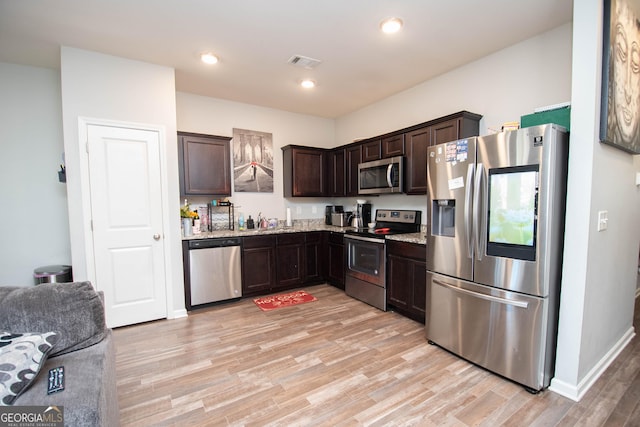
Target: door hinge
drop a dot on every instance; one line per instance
(86, 147)
(91, 224)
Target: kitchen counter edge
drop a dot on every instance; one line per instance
(417, 238)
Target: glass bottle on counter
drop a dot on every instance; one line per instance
(241, 221)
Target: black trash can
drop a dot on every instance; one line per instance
(52, 274)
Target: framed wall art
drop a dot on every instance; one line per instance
(620, 102)
(252, 161)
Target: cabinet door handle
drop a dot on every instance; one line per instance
(156, 236)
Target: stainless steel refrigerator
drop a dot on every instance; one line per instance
(495, 231)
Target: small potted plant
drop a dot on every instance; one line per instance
(187, 216)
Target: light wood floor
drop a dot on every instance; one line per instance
(335, 362)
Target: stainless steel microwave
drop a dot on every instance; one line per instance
(381, 176)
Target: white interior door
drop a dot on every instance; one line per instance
(126, 210)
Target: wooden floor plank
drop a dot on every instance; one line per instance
(335, 362)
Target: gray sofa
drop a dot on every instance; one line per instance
(82, 344)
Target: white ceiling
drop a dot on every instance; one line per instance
(255, 38)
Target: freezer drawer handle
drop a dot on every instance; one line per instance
(521, 304)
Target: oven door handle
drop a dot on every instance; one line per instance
(364, 239)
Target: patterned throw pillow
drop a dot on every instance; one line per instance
(21, 357)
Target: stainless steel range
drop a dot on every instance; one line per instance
(365, 277)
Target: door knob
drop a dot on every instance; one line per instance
(156, 236)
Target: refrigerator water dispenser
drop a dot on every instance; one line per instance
(443, 218)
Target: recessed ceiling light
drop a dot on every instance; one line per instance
(209, 58)
(308, 84)
(391, 25)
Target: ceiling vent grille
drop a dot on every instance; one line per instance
(304, 62)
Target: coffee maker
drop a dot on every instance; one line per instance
(361, 216)
(328, 210)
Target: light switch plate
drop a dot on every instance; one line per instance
(603, 219)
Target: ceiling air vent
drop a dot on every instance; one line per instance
(304, 61)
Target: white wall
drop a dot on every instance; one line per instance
(600, 268)
(219, 117)
(33, 213)
(501, 87)
(110, 88)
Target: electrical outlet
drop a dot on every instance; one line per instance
(603, 219)
(314, 209)
(298, 210)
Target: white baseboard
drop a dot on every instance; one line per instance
(577, 392)
(178, 313)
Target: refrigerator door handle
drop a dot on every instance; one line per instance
(468, 199)
(515, 303)
(478, 206)
(389, 171)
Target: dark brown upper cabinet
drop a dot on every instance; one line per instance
(353, 159)
(417, 139)
(318, 172)
(415, 173)
(445, 131)
(304, 171)
(393, 146)
(336, 169)
(371, 150)
(205, 165)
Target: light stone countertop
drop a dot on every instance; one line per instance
(418, 238)
(300, 226)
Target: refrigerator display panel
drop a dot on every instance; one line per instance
(512, 219)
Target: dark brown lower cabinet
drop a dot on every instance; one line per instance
(335, 259)
(290, 260)
(258, 264)
(406, 279)
(278, 262)
(316, 255)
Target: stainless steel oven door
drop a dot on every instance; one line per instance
(366, 259)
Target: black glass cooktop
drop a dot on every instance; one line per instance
(390, 222)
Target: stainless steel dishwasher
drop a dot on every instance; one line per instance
(212, 271)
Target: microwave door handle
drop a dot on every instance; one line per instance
(468, 199)
(479, 226)
(389, 172)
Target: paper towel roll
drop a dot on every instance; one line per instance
(288, 217)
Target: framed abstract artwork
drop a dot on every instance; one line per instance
(620, 102)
